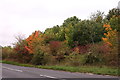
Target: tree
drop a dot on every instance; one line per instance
(111, 37)
(97, 17)
(115, 12)
(88, 31)
(53, 32)
(22, 54)
(71, 21)
(31, 40)
(114, 22)
(69, 33)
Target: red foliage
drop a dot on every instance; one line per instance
(105, 48)
(17, 48)
(55, 44)
(81, 49)
(21, 49)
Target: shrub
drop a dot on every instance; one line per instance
(74, 59)
(59, 50)
(91, 58)
(81, 49)
(112, 58)
(38, 58)
(7, 52)
(22, 53)
(96, 52)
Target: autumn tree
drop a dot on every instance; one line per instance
(22, 53)
(111, 37)
(31, 41)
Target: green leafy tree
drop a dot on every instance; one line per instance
(71, 21)
(114, 22)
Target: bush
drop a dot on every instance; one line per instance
(96, 52)
(38, 58)
(112, 58)
(74, 59)
(7, 52)
(59, 50)
(91, 58)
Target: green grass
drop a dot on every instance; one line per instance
(16, 63)
(84, 69)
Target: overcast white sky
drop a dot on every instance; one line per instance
(26, 16)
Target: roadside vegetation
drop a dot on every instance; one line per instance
(77, 45)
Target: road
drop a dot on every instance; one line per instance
(12, 71)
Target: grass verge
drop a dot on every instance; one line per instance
(84, 69)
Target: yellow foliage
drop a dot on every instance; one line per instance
(111, 35)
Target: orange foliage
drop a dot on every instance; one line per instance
(106, 25)
(29, 50)
(110, 36)
(30, 40)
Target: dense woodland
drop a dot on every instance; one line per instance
(76, 42)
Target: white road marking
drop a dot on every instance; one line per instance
(47, 76)
(90, 74)
(12, 69)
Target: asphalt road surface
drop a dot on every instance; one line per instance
(13, 72)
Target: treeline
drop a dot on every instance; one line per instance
(76, 42)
